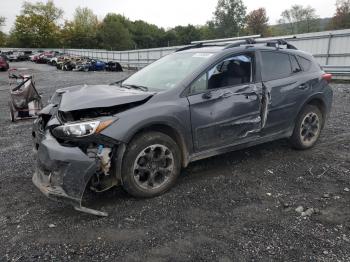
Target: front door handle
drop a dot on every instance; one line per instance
(209, 95)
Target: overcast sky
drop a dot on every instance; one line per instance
(165, 13)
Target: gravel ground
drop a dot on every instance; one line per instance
(239, 206)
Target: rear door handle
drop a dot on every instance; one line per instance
(303, 86)
(250, 95)
(226, 94)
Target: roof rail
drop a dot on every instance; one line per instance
(275, 43)
(189, 47)
(245, 41)
(249, 41)
(226, 40)
(272, 43)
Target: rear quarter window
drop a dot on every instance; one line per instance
(295, 65)
(305, 63)
(275, 65)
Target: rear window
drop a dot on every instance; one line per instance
(275, 65)
(305, 63)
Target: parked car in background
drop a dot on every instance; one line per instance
(114, 66)
(35, 56)
(70, 63)
(24, 56)
(39, 54)
(44, 58)
(4, 55)
(90, 65)
(4, 66)
(13, 56)
(53, 60)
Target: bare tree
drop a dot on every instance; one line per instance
(257, 22)
(341, 19)
(299, 19)
(2, 21)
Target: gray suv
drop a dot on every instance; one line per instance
(198, 102)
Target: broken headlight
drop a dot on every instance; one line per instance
(81, 129)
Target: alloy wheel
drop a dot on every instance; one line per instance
(310, 128)
(153, 167)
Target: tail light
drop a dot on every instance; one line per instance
(327, 77)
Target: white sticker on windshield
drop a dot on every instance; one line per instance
(203, 55)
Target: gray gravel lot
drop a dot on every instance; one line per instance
(235, 207)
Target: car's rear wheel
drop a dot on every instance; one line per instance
(308, 128)
(151, 164)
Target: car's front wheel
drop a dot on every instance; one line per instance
(151, 164)
(308, 128)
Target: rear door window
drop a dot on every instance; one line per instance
(275, 65)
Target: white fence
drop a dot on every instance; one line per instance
(330, 48)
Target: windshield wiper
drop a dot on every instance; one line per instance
(143, 88)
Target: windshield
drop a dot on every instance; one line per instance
(168, 71)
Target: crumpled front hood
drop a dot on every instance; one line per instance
(97, 96)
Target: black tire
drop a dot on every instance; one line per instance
(154, 181)
(307, 128)
(12, 112)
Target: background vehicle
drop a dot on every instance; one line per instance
(44, 58)
(57, 57)
(13, 56)
(35, 56)
(201, 101)
(90, 65)
(114, 66)
(24, 56)
(4, 66)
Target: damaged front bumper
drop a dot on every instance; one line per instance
(63, 172)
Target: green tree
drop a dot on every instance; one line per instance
(2, 34)
(169, 38)
(37, 26)
(207, 31)
(341, 19)
(299, 19)
(112, 33)
(146, 35)
(229, 17)
(82, 31)
(186, 34)
(257, 22)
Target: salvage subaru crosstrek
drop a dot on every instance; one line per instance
(200, 101)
